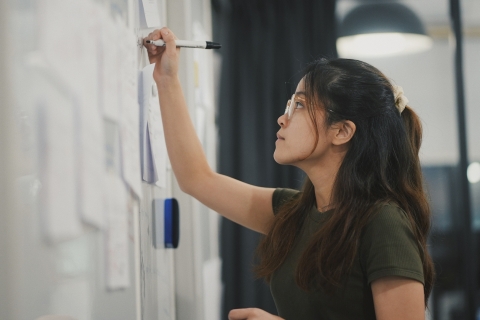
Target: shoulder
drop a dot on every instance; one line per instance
(388, 215)
(389, 224)
(282, 196)
(389, 247)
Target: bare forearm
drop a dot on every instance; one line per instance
(248, 205)
(184, 149)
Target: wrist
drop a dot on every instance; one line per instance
(166, 81)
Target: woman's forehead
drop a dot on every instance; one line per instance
(301, 85)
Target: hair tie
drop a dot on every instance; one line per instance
(400, 99)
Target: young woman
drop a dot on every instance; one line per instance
(352, 243)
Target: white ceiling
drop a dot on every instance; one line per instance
(433, 13)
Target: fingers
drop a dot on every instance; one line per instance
(169, 38)
(151, 48)
(243, 314)
(251, 314)
(166, 35)
(238, 314)
(155, 35)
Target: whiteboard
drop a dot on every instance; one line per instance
(66, 269)
(66, 273)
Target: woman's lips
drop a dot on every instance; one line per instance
(280, 137)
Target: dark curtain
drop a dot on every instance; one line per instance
(266, 46)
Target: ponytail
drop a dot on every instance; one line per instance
(421, 219)
(413, 127)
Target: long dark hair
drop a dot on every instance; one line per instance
(380, 165)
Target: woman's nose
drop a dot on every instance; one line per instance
(282, 120)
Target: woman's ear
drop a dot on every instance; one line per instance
(343, 132)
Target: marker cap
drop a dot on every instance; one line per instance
(213, 45)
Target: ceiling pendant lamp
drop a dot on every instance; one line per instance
(380, 30)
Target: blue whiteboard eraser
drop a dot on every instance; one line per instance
(172, 223)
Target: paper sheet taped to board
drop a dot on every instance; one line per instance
(152, 15)
(118, 274)
(57, 165)
(154, 153)
(130, 113)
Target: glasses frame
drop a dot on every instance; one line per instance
(290, 108)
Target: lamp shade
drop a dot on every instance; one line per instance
(381, 29)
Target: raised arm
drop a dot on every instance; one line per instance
(245, 204)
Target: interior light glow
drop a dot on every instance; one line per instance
(473, 172)
(382, 44)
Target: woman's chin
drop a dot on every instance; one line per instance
(279, 159)
(275, 157)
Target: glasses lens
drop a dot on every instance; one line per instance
(291, 107)
(287, 109)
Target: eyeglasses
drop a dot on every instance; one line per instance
(290, 109)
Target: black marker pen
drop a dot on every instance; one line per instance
(188, 44)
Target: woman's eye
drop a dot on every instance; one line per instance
(298, 105)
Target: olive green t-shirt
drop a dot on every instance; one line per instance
(387, 248)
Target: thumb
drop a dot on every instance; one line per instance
(169, 39)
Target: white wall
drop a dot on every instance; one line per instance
(8, 213)
(428, 82)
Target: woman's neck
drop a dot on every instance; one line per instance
(323, 184)
(323, 178)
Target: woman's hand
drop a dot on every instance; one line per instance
(251, 314)
(165, 58)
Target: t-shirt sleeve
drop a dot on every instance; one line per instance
(281, 196)
(389, 248)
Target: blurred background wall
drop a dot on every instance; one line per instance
(267, 44)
